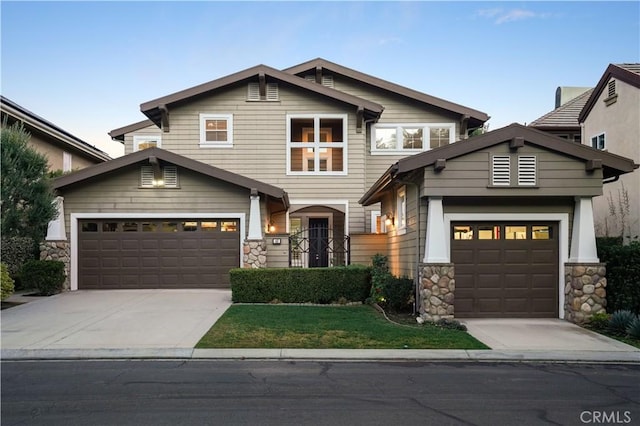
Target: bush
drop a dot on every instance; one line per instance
(623, 275)
(398, 294)
(599, 321)
(47, 276)
(6, 282)
(379, 276)
(293, 285)
(620, 321)
(451, 324)
(16, 251)
(633, 329)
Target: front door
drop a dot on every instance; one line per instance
(318, 242)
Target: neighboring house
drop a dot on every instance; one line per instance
(63, 150)
(610, 122)
(500, 225)
(280, 158)
(563, 120)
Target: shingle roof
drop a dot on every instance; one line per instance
(565, 116)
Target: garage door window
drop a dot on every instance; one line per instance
(488, 232)
(90, 227)
(110, 227)
(189, 226)
(228, 226)
(462, 233)
(515, 232)
(500, 232)
(541, 233)
(209, 226)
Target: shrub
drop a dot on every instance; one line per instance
(599, 321)
(47, 276)
(6, 282)
(623, 275)
(379, 276)
(451, 324)
(293, 285)
(620, 321)
(398, 294)
(16, 251)
(633, 329)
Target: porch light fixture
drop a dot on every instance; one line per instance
(272, 228)
(389, 221)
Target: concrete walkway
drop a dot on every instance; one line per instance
(124, 324)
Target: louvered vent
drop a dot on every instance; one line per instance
(310, 78)
(501, 171)
(272, 91)
(146, 176)
(253, 92)
(170, 176)
(327, 80)
(612, 88)
(526, 170)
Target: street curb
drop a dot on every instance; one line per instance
(441, 355)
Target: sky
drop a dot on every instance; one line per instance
(86, 66)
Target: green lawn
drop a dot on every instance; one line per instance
(324, 327)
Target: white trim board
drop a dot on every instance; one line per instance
(563, 234)
(75, 217)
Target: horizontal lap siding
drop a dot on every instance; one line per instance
(364, 246)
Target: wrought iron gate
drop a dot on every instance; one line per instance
(317, 247)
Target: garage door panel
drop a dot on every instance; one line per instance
(506, 278)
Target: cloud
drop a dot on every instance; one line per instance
(502, 16)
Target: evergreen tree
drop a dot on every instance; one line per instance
(27, 198)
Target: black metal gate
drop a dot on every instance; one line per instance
(317, 247)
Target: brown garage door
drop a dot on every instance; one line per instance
(156, 253)
(505, 270)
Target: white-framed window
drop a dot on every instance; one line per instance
(401, 210)
(598, 141)
(378, 225)
(67, 161)
(141, 142)
(403, 138)
(216, 130)
(317, 144)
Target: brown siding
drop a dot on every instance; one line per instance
(365, 246)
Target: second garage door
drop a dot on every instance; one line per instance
(156, 253)
(505, 270)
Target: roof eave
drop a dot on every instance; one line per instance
(614, 71)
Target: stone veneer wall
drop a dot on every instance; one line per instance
(254, 254)
(585, 291)
(57, 250)
(437, 291)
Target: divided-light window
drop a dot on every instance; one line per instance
(316, 144)
(216, 130)
(403, 138)
(598, 142)
(141, 142)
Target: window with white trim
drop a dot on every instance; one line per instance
(598, 141)
(168, 177)
(67, 161)
(141, 142)
(394, 138)
(317, 144)
(216, 130)
(500, 170)
(377, 223)
(401, 209)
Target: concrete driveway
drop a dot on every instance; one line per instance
(135, 320)
(540, 335)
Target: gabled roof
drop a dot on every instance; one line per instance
(34, 121)
(565, 117)
(629, 73)
(154, 109)
(613, 165)
(118, 134)
(170, 157)
(476, 118)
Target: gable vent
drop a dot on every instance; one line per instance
(612, 88)
(501, 170)
(526, 170)
(310, 78)
(170, 176)
(253, 92)
(146, 176)
(327, 80)
(272, 91)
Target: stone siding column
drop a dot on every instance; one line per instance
(437, 291)
(585, 291)
(58, 250)
(254, 254)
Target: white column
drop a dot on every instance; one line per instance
(435, 245)
(255, 224)
(583, 237)
(56, 229)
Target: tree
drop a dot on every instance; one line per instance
(27, 197)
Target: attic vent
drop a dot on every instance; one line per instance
(310, 78)
(170, 176)
(501, 170)
(146, 176)
(327, 80)
(253, 93)
(272, 91)
(612, 88)
(526, 170)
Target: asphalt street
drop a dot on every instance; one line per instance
(146, 392)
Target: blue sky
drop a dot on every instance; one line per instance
(87, 66)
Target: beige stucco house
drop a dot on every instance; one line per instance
(610, 121)
(63, 150)
(500, 225)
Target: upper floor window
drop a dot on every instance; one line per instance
(316, 144)
(143, 142)
(216, 130)
(406, 138)
(598, 141)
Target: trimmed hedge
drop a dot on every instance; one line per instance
(47, 276)
(623, 275)
(6, 282)
(293, 285)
